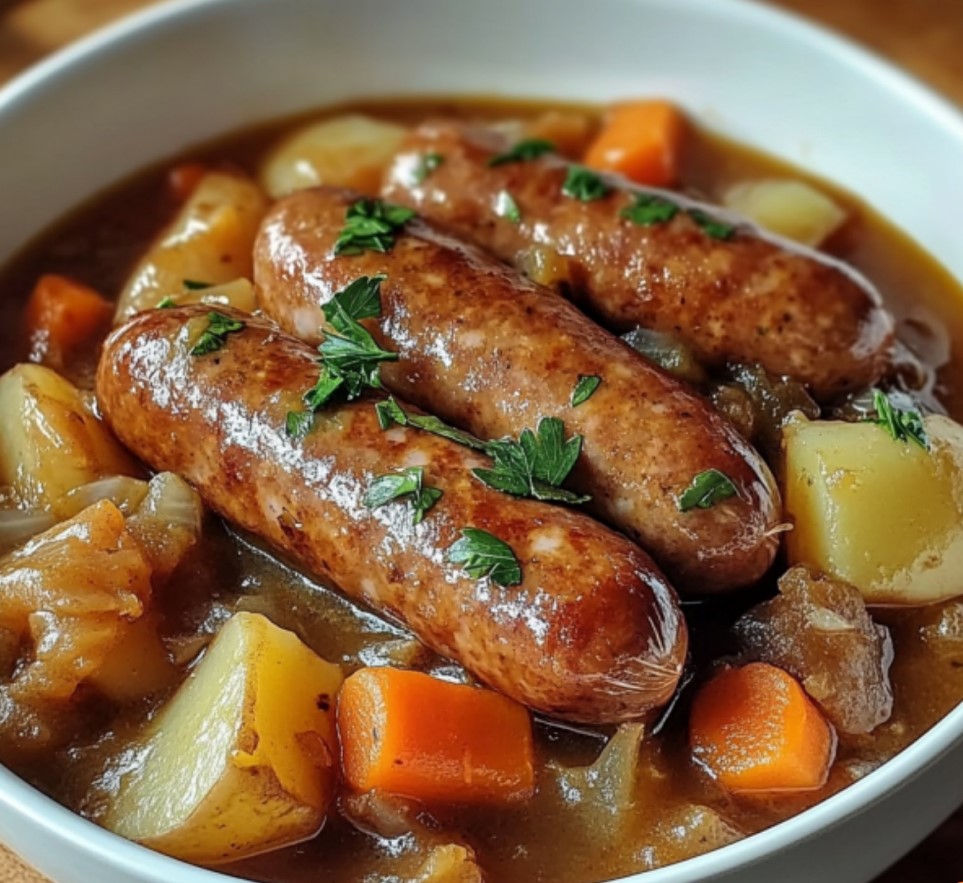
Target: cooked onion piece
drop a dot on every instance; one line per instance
(881, 514)
(346, 151)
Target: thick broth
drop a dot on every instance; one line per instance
(100, 243)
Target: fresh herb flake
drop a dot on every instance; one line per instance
(523, 151)
(711, 226)
(298, 424)
(584, 184)
(360, 300)
(483, 555)
(584, 388)
(648, 210)
(506, 207)
(371, 225)
(194, 285)
(166, 303)
(903, 424)
(533, 466)
(404, 483)
(426, 165)
(707, 489)
(215, 335)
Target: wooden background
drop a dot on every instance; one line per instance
(925, 36)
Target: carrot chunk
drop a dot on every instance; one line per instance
(411, 734)
(755, 729)
(182, 180)
(62, 316)
(641, 140)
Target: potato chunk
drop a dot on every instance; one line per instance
(818, 630)
(345, 151)
(211, 241)
(787, 208)
(243, 759)
(50, 442)
(883, 515)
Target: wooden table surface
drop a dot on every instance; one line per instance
(925, 36)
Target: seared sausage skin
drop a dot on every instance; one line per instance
(748, 299)
(490, 351)
(592, 634)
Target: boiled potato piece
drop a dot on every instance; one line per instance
(881, 514)
(211, 241)
(238, 294)
(787, 208)
(346, 151)
(243, 759)
(50, 443)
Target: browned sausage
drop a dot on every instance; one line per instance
(751, 298)
(593, 633)
(488, 350)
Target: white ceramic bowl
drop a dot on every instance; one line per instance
(185, 71)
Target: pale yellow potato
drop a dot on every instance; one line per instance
(211, 241)
(881, 514)
(787, 208)
(243, 759)
(345, 151)
(50, 442)
(238, 293)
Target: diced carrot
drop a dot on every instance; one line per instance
(62, 316)
(183, 180)
(755, 729)
(411, 734)
(641, 140)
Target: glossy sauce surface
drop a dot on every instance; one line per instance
(674, 810)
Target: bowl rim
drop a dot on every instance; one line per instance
(119, 854)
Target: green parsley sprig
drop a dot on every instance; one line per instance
(350, 357)
(215, 335)
(903, 424)
(427, 163)
(535, 465)
(506, 207)
(483, 555)
(523, 151)
(371, 225)
(707, 489)
(408, 482)
(649, 209)
(585, 388)
(584, 184)
(711, 226)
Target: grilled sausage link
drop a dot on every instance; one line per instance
(492, 352)
(750, 298)
(592, 634)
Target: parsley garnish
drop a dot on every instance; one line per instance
(707, 489)
(404, 483)
(350, 357)
(194, 285)
(530, 148)
(902, 424)
(711, 226)
(389, 412)
(483, 555)
(533, 466)
(426, 165)
(166, 303)
(215, 335)
(371, 225)
(584, 184)
(584, 388)
(648, 210)
(506, 207)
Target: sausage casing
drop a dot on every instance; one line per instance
(490, 351)
(750, 298)
(593, 633)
